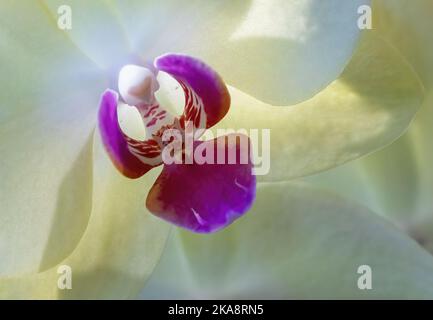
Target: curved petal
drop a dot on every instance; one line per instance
(282, 52)
(124, 151)
(210, 193)
(297, 242)
(368, 107)
(207, 99)
(118, 250)
(48, 99)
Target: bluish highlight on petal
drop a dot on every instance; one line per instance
(207, 99)
(206, 197)
(116, 143)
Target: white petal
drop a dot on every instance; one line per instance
(279, 51)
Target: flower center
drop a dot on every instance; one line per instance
(137, 87)
(206, 102)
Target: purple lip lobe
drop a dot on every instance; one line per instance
(114, 140)
(202, 80)
(206, 197)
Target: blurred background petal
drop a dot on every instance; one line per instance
(297, 242)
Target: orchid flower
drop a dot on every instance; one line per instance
(328, 92)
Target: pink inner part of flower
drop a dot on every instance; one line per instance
(202, 197)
